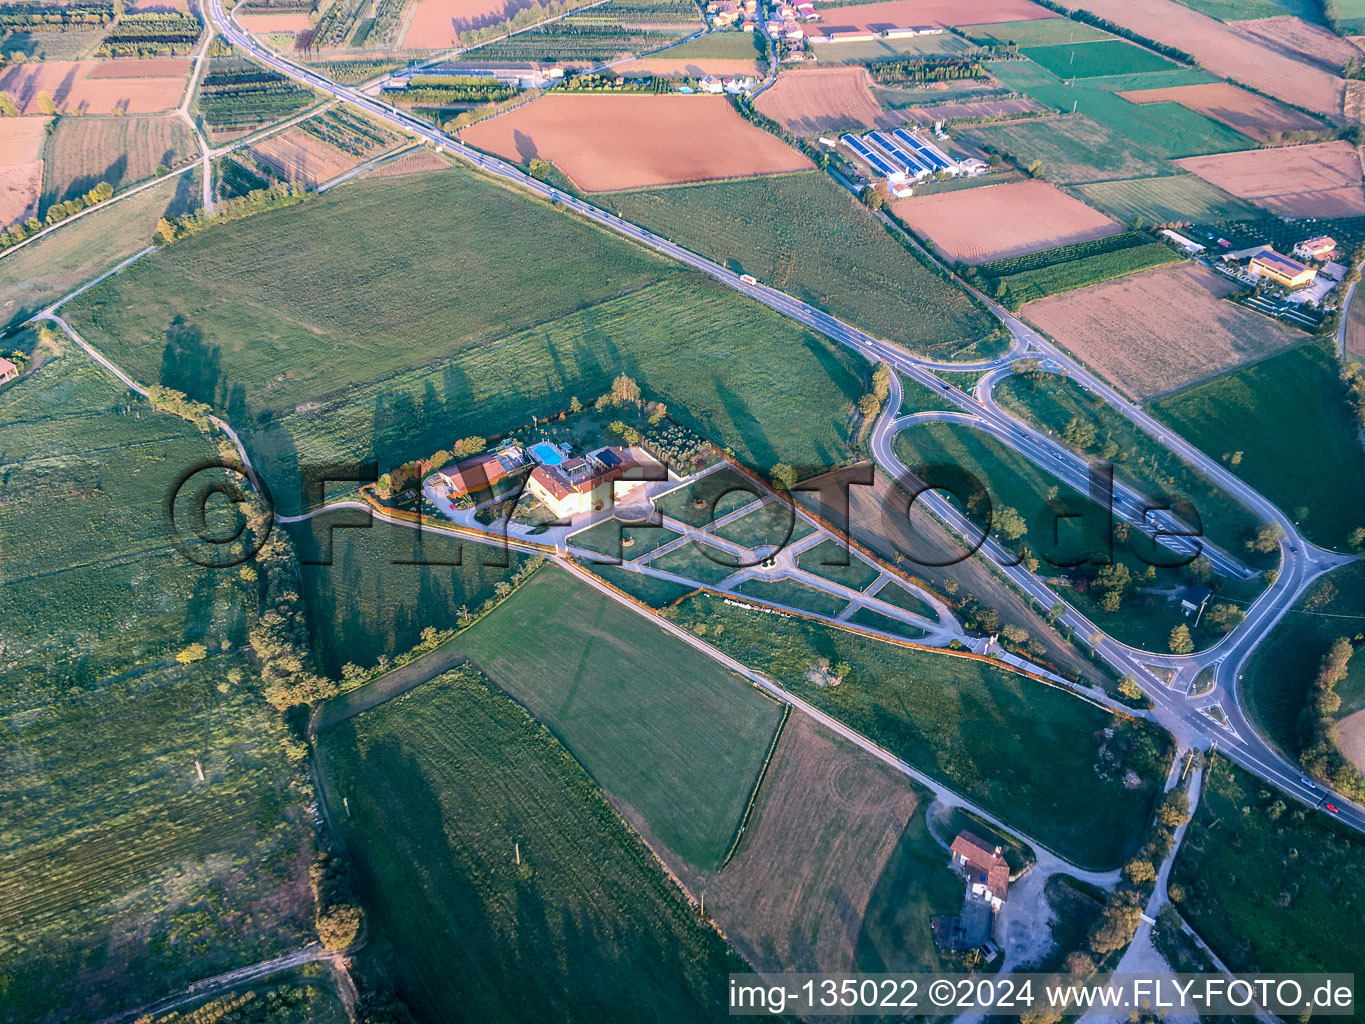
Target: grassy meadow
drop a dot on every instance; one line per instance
(1288, 417)
(661, 727)
(1269, 884)
(1096, 59)
(127, 875)
(977, 728)
(370, 592)
(387, 317)
(1170, 199)
(444, 786)
(804, 234)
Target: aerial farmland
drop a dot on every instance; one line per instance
(562, 510)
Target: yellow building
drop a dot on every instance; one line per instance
(1281, 269)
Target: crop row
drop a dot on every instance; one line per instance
(31, 16)
(636, 11)
(571, 42)
(231, 109)
(1062, 254)
(1013, 290)
(926, 69)
(436, 90)
(346, 132)
(152, 29)
(334, 27)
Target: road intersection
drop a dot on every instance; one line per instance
(1189, 720)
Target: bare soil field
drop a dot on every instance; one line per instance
(1226, 52)
(120, 150)
(783, 908)
(1161, 330)
(152, 67)
(903, 13)
(297, 156)
(1301, 40)
(1351, 738)
(986, 108)
(72, 88)
(610, 142)
(436, 24)
(21, 170)
(682, 67)
(825, 100)
(978, 225)
(1321, 180)
(1257, 116)
(262, 24)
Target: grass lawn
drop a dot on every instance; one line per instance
(1279, 678)
(651, 590)
(378, 588)
(1096, 59)
(824, 560)
(794, 593)
(1053, 402)
(773, 525)
(614, 539)
(661, 727)
(1027, 752)
(1289, 418)
(876, 620)
(56, 264)
(1039, 32)
(916, 886)
(696, 561)
(806, 235)
(893, 593)
(702, 502)
(1012, 481)
(334, 334)
(104, 726)
(1271, 885)
(444, 785)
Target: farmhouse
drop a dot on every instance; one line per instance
(481, 472)
(8, 371)
(1281, 269)
(586, 484)
(1319, 247)
(987, 873)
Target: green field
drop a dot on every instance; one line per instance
(1346, 16)
(893, 593)
(1271, 885)
(1280, 676)
(1038, 32)
(715, 495)
(446, 787)
(876, 620)
(1052, 402)
(1026, 752)
(806, 235)
(1096, 59)
(1011, 481)
(376, 589)
(1246, 10)
(1072, 149)
(717, 46)
(125, 877)
(661, 727)
(614, 539)
(825, 560)
(1173, 199)
(915, 887)
(1289, 418)
(795, 594)
(651, 590)
(704, 564)
(331, 332)
(1021, 279)
(56, 264)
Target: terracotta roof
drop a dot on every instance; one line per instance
(474, 474)
(6, 366)
(983, 862)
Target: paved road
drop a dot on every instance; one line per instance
(1302, 563)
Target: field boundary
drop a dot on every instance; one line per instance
(758, 783)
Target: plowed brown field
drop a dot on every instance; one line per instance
(824, 100)
(1227, 53)
(73, 87)
(1302, 40)
(1160, 330)
(1321, 180)
(632, 141)
(288, 21)
(298, 156)
(436, 24)
(904, 13)
(977, 225)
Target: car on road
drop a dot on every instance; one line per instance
(1333, 808)
(1309, 783)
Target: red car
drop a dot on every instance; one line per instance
(1333, 808)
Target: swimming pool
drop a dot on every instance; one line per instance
(546, 454)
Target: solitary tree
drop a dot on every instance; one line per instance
(784, 476)
(1181, 641)
(45, 103)
(1010, 523)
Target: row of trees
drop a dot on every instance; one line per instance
(277, 196)
(56, 213)
(1321, 756)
